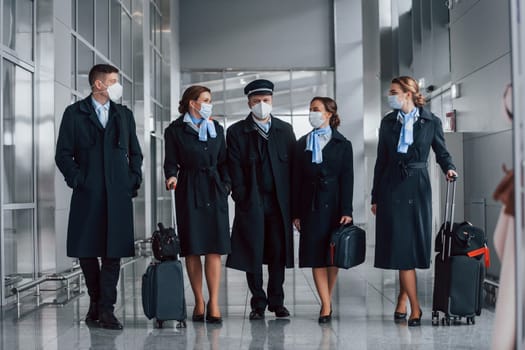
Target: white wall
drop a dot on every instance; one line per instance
(256, 34)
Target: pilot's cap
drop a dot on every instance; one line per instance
(259, 87)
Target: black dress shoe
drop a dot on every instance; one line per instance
(325, 318)
(92, 315)
(108, 320)
(415, 322)
(197, 317)
(257, 314)
(280, 311)
(213, 319)
(398, 316)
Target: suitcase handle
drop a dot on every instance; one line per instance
(450, 207)
(173, 211)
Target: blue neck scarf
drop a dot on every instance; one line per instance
(406, 135)
(206, 127)
(314, 145)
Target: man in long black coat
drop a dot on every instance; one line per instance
(259, 153)
(100, 157)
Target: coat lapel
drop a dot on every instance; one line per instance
(87, 107)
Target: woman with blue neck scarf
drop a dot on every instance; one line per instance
(401, 193)
(195, 164)
(323, 183)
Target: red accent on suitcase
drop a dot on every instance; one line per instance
(483, 250)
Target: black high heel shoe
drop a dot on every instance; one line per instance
(398, 316)
(325, 318)
(197, 317)
(416, 322)
(212, 319)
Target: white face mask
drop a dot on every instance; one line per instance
(115, 92)
(262, 110)
(316, 119)
(205, 110)
(394, 102)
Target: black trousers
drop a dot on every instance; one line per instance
(101, 281)
(274, 251)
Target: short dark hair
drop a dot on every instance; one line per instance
(191, 94)
(100, 69)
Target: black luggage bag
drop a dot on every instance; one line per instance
(163, 293)
(347, 246)
(163, 282)
(459, 268)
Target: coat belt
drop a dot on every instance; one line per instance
(413, 165)
(205, 178)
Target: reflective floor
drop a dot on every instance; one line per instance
(363, 319)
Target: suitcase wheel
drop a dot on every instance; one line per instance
(159, 323)
(445, 320)
(471, 320)
(435, 318)
(181, 324)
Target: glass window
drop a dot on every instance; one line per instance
(73, 62)
(127, 93)
(127, 4)
(18, 27)
(85, 15)
(102, 26)
(18, 243)
(17, 169)
(85, 62)
(74, 14)
(158, 22)
(126, 43)
(115, 32)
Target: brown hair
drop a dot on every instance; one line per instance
(98, 70)
(330, 106)
(409, 84)
(191, 94)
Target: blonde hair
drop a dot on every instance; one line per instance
(409, 84)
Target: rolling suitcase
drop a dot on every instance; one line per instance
(459, 269)
(163, 288)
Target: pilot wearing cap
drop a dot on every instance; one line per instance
(260, 148)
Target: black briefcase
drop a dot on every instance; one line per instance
(347, 246)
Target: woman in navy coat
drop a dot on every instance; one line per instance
(195, 162)
(401, 194)
(323, 178)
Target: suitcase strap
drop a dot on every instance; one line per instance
(483, 250)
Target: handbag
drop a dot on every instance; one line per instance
(165, 243)
(347, 246)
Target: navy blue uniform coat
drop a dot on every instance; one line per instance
(243, 160)
(202, 188)
(322, 194)
(103, 167)
(402, 192)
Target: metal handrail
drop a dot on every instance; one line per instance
(66, 276)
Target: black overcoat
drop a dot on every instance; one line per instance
(244, 162)
(402, 192)
(103, 167)
(202, 188)
(322, 194)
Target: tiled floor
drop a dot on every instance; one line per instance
(363, 319)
